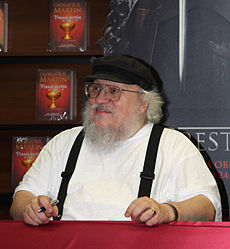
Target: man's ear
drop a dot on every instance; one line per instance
(143, 106)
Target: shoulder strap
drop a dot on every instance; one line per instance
(147, 176)
(69, 169)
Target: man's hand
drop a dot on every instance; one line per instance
(150, 212)
(31, 215)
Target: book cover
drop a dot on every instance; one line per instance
(68, 25)
(3, 26)
(24, 152)
(55, 90)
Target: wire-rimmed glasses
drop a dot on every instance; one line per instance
(112, 93)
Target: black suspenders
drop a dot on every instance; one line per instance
(147, 176)
(66, 175)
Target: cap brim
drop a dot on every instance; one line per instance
(109, 77)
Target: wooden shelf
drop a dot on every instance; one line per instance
(29, 26)
(28, 41)
(17, 96)
(89, 52)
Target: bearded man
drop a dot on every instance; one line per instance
(123, 107)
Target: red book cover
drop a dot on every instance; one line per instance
(55, 93)
(24, 152)
(68, 25)
(3, 26)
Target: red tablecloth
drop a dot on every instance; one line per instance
(115, 235)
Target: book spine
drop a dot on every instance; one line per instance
(86, 25)
(71, 94)
(6, 27)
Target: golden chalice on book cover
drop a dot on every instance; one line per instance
(28, 162)
(53, 95)
(67, 27)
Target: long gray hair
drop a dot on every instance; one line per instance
(155, 103)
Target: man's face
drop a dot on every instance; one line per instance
(115, 114)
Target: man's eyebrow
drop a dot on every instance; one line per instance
(96, 81)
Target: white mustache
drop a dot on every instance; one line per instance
(100, 107)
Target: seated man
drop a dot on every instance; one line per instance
(123, 106)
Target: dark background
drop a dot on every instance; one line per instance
(198, 102)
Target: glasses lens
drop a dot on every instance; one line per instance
(92, 90)
(113, 93)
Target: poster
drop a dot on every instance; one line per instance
(188, 42)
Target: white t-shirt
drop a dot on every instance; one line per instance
(104, 184)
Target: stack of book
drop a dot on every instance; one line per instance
(55, 94)
(68, 25)
(24, 152)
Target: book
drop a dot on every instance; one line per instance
(24, 152)
(55, 94)
(68, 25)
(3, 26)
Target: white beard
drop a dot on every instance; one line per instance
(109, 138)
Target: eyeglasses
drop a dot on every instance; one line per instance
(112, 93)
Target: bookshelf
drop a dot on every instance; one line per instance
(28, 39)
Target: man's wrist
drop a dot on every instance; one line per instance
(174, 210)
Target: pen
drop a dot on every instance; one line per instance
(52, 203)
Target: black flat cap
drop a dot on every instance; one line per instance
(124, 69)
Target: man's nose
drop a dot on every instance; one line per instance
(101, 98)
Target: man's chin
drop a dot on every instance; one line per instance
(102, 125)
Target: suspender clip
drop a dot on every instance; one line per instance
(147, 176)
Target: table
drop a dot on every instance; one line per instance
(114, 235)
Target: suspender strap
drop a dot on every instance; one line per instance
(66, 175)
(147, 176)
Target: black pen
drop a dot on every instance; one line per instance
(52, 203)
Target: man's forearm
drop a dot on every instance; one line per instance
(196, 208)
(21, 199)
(148, 211)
